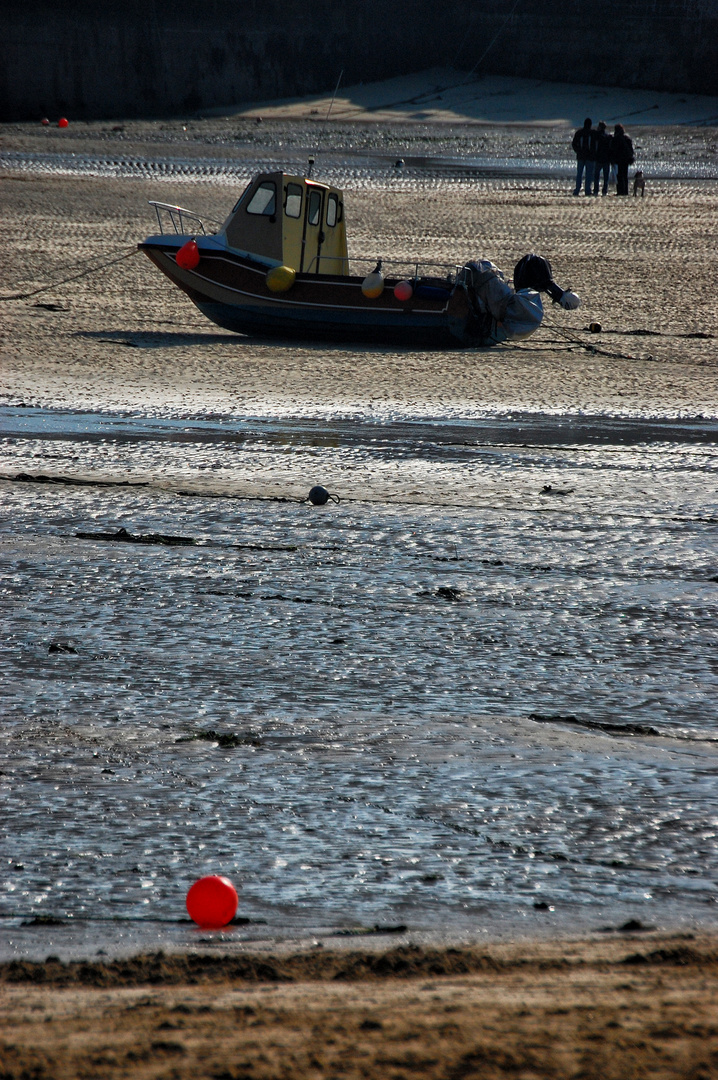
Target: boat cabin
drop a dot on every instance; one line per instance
(290, 221)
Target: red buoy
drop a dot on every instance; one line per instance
(45, 122)
(188, 255)
(212, 902)
(63, 122)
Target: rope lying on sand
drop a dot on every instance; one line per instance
(572, 338)
(73, 277)
(572, 342)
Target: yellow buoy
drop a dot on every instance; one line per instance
(280, 278)
(373, 284)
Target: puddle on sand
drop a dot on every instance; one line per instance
(346, 170)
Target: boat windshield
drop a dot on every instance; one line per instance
(264, 199)
(293, 204)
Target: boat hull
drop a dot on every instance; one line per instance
(230, 289)
(309, 326)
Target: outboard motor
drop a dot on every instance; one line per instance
(534, 272)
(500, 312)
(484, 309)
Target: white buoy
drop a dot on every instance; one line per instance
(373, 284)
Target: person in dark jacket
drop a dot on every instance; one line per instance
(584, 145)
(621, 156)
(603, 158)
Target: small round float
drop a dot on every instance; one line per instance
(280, 278)
(373, 284)
(212, 902)
(319, 496)
(188, 255)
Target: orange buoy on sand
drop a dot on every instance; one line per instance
(63, 122)
(188, 255)
(212, 902)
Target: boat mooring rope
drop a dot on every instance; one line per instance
(590, 347)
(571, 337)
(73, 277)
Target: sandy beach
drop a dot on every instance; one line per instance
(642, 266)
(448, 96)
(638, 1003)
(643, 269)
(641, 1007)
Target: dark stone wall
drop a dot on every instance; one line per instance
(652, 44)
(90, 59)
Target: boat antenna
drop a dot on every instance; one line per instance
(324, 125)
(331, 104)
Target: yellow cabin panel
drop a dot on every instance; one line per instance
(292, 221)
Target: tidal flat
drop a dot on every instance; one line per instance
(472, 704)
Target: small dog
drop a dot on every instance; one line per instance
(639, 184)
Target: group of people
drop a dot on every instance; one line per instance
(597, 151)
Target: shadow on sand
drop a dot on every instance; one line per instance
(159, 339)
(156, 339)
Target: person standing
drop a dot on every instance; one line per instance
(622, 156)
(584, 145)
(603, 158)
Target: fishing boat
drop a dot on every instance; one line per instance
(279, 266)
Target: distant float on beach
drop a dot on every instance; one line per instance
(279, 266)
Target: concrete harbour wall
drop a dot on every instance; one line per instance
(152, 57)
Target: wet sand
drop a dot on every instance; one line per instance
(124, 338)
(644, 1006)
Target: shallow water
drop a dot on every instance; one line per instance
(485, 680)
(346, 169)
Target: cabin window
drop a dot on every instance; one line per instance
(264, 199)
(315, 207)
(293, 203)
(332, 210)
